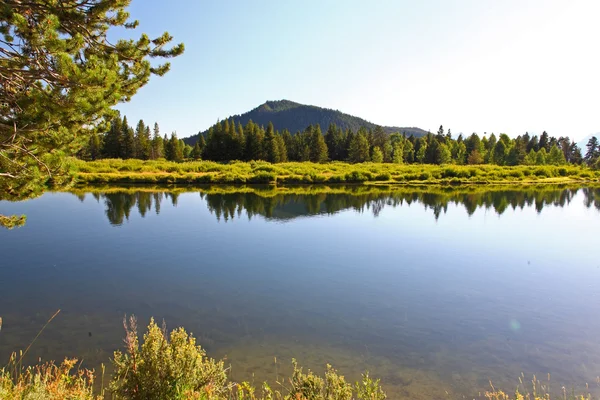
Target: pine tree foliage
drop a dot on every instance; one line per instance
(60, 76)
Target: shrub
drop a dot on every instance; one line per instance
(424, 176)
(263, 177)
(164, 368)
(48, 381)
(384, 176)
(356, 176)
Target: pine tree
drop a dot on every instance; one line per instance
(377, 155)
(142, 141)
(168, 149)
(196, 152)
(556, 156)
(281, 148)
(398, 153)
(544, 141)
(499, 152)
(443, 155)
(61, 77)
(157, 147)
(175, 148)
(112, 140)
(359, 149)
(127, 140)
(379, 138)
(593, 150)
(94, 147)
(409, 151)
(540, 158)
(459, 152)
(318, 147)
(270, 144)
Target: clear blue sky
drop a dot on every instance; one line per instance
(472, 65)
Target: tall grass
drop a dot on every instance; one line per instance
(260, 172)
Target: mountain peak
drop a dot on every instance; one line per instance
(295, 117)
(277, 105)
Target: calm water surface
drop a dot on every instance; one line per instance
(434, 292)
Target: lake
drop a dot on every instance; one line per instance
(436, 292)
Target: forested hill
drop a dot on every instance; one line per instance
(285, 114)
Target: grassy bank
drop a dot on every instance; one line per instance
(206, 172)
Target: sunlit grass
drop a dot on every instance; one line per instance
(203, 172)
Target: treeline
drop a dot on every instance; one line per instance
(123, 141)
(226, 141)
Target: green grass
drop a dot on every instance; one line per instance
(260, 172)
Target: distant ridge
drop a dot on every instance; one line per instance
(296, 117)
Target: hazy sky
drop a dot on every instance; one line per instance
(472, 65)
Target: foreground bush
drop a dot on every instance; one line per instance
(174, 367)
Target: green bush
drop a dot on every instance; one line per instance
(164, 368)
(384, 176)
(356, 177)
(424, 176)
(263, 177)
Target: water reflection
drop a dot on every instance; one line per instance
(273, 204)
(419, 286)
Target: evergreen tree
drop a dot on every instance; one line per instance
(318, 147)
(127, 140)
(499, 153)
(556, 156)
(409, 151)
(443, 156)
(474, 143)
(359, 148)
(186, 149)
(112, 140)
(531, 157)
(387, 151)
(377, 155)
(168, 149)
(575, 154)
(94, 147)
(421, 152)
(240, 142)
(158, 147)
(196, 152)
(271, 147)
(60, 79)
(379, 138)
(459, 152)
(540, 158)
(175, 148)
(544, 141)
(288, 140)
(593, 151)
(517, 153)
(281, 148)
(398, 153)
(254, 141)
(142, 141)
